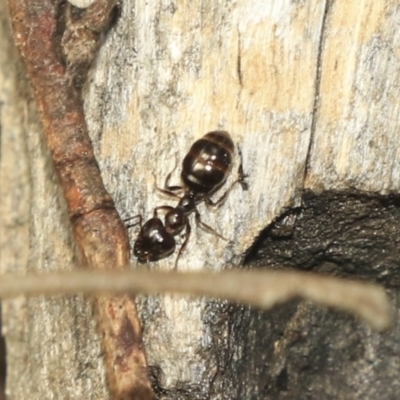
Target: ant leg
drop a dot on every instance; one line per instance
(206, 227)
(134, 224)
(217, 203)
(167, 186)
(168, 190)
(163, 208)
(241, 180)
(184, 244)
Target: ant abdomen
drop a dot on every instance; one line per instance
(208, 162)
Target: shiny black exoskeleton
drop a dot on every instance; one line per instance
(204, 170)
(153, 242)
(208, 162)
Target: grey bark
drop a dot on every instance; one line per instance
(309, 90)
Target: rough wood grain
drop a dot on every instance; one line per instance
(197, 68)
(355, 142)
(308, 90)
(56, 78)
(42, 334)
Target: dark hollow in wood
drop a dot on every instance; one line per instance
(300, 350)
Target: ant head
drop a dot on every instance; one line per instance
(153, 242)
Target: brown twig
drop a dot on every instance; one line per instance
(263, 289)
(58, 44)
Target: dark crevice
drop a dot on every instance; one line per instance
(304, 351)
(317, 86)
(59, 31)
(355, 233)
(280, 229)
(3, 364)
(239, 62)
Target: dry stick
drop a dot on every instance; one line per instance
(57, 53)
(263, 289)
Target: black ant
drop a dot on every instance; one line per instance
(204, 170)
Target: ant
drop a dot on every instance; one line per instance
(204, 170)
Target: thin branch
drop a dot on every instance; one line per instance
(58, 45)
(262, 289)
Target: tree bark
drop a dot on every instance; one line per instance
(309, 91)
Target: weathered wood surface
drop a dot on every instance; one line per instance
(45, 359)
(309, 90)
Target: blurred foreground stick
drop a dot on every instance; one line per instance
(263, 289)
(57, 50)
